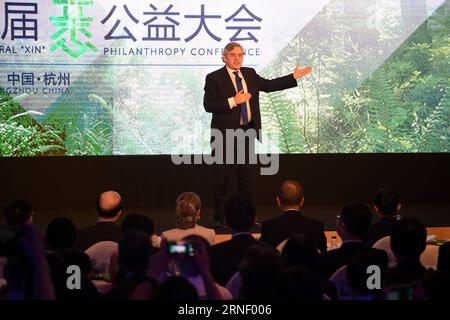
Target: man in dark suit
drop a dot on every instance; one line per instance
(232, 96)
(109, 209)
(240, 216)
(290, 199)
(408, 242)
(351, 224)
(387, 203)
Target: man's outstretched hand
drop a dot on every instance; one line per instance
(298, 73)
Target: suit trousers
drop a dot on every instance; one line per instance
(224, 173)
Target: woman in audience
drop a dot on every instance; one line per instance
(187, 213)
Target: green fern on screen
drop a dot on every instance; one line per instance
(21, 135)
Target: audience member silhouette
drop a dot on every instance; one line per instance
(109, 209)
(18, 212)
(240, 216)
(300, 251)
(187, 212)
(387, 204)
(143, 223)
(408, 241)
(60, 238)
(359, 274)
(27, 273)
(299, 283)
(290, 199)
(351, 224)
(443, 262)
(135, 249)
(260, 271)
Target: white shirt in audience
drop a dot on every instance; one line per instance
(176, 234)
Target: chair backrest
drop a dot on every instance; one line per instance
(234, 285)
(100, 255)
(281, 245)
(430, 256)
(385, 245)
(339, 278)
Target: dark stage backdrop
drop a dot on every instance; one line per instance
(72, 183)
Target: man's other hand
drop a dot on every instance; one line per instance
(242, 97)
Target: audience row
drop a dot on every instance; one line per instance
(290, 259)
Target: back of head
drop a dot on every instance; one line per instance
(298, 283)
(260, 270)
(240, 214)
(138, 221)
(187, 207)
(18, 212)
(134, 250)
(300, 250)
(443, 262)
(109, 204)
(61, 234)
(357, 270)
(408, 238)
(356, 218)
(176, 288)
(290, 194)
(387, 200)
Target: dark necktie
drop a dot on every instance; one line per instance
(243, 106)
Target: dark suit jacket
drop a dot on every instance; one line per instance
(219, 87)
(331, 261)
(102, 231)
(405, 272)
(292, 222)
(379, 230)
(226, 256)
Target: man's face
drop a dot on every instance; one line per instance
(234, 58)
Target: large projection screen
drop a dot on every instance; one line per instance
(116, 77)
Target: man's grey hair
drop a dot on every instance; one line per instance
(230, 46)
